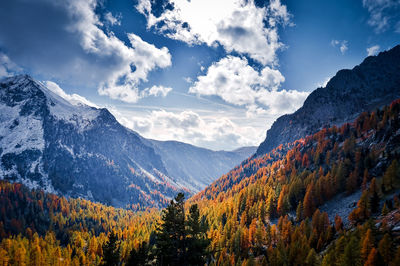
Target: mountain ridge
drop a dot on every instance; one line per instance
(82, 151)
(372, 84)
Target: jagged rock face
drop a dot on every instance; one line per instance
(81, 151)
(373, 83)
(77, 151)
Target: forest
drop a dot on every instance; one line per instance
(266, 211)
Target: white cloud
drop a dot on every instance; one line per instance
(373, 50)
(112, 20)
(74, 98)
(237, 25)
(236, 82)
(188, 79)
(7, 67)
(146, 57)
(211, 131)
(323, 83)
(382, 13)
(68, 43)
(156, 91)
(343, 45)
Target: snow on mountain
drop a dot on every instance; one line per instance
(82, 151)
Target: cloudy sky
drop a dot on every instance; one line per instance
(211, 73)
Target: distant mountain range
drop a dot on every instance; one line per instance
(82, 151)
(372, 84)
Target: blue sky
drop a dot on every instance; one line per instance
(211, 73)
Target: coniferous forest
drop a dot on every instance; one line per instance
(267, 211)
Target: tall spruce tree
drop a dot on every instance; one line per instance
(197, 241)
(170, 234)
(181, 241)
(111, 251)
(139, 257)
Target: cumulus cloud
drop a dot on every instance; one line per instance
(64, 40)
(74, 98)
(239, 26)
(383, 14)
(123, 84)
(225, 22)
(215, 132)
(373, 50)
(343, 45)
(156, 91)
(112, 20)
(236, 82)
(7, 67)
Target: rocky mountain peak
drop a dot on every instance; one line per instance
(373, 83)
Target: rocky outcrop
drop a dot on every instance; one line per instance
(373, 83)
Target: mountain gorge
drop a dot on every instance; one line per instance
(81, 151)
(372, 84)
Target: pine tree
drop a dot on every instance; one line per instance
(372, 258)
(170, 235)
(338, 223)
(197, 241)
(351, 255)
(391, 176)
(309, 201)
(374, 197)
(139, 257)
(312, 259)
(367, 245)
(111, 251)
(299, 212)
(385, 248)
(385, 209)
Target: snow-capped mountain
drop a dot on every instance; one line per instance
(372, 84)
(81, 151)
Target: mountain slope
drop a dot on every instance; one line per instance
(196, 167)
(373, 83)
(76, 150)
(81, 151)
(242, 219)
(316, 196)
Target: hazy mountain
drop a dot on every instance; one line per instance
(81, 151)
(373, 83)
(196, 167)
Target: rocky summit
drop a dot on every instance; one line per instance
(372, 84)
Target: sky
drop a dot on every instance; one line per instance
(215, 74)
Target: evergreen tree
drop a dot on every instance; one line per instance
(139, 257)
(312, 259)
(170, 235)
(367, 245)
(351, 255)
(391, 176)
(197, 241)
(111, 252)
(385, 209)
(385, 249)
(299, 212)
(374, 200)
